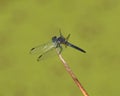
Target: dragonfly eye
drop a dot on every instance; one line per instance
(54, 38)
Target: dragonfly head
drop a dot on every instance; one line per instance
(54, 39)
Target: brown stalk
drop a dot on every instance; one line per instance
(77, 82)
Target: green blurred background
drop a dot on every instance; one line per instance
(94, 26)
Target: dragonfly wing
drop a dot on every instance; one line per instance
(48, 54)
(41, 49)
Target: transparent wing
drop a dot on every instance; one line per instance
(41, 50)
(49, 54)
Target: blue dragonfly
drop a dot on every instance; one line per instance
(55, 43)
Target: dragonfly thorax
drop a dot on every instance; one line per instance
(61, 40)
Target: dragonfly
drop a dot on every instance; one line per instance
(55, 43)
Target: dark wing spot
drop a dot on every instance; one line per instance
(32, 49)
(39, 57)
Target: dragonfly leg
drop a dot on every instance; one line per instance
(60, 49)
